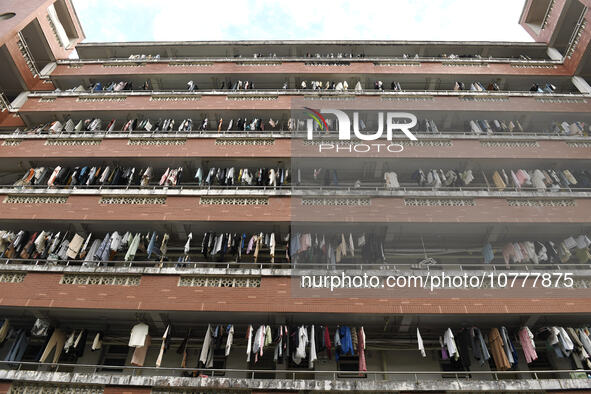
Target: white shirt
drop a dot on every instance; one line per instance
(138, 335)
(300, 352)
(313, 356)
(272, 245)
(115, 241)
(229, 340)
(450, 343)
(206, 345)
(187, 245)
(391, 179)
(420, 342)
(249, 344)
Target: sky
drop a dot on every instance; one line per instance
(195, 20)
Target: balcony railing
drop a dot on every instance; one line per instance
(369, 189)
(311, 92)
(327, 60)
(474, 265)
(35, 133)
(546, 379)
(4, 103)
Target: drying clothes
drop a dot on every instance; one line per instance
(450, 344)
(103, 251)
(70, 341)
(272, 246)
(444, 353)
(139, 354)
(391, 179)
(74, 246)
(133, 245)
(258, 342)
(116, 241)
(40, 241)
(584, 338)
(268, 338)
(151, 245)
(188, 244)
(92, 251)
(570, 243)
(487, 253)
(139, 332)
(206, 355)
(97, 343)
(583, 241)
(248, 343)
(498, 181)
(75, 344)
(420, 343)
(229, 340)
(4, 330)
(300, 352)
(498, 353)
(479, 348)
(57, 342)
(164, 244)
(566, 344)
(361, 350)
(327, 343)
(18, 347)
(508, 346)
(163, 347)
(526, 338)
(580, 353)
(464, 341)
(40, 328)
(345, 343)
(83, 251)
(313, 356)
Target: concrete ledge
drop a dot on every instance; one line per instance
(462, 385)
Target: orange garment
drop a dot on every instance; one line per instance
(496, 349)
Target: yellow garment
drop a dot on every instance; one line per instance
(498, 181)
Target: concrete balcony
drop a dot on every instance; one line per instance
(160, 380)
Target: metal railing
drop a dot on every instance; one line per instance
(547, 14)
(304, 374)
(576, 34)
(4, 103)
(368, 189)
(37, 132)
(328, 60)
(26, 52)
(474, 265)
(304, 92)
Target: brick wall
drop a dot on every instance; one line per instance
(161, 292)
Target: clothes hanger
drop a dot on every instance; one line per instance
(427, 261)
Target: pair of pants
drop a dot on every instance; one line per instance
(17, 350)
(139, 355)
(57, 341)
